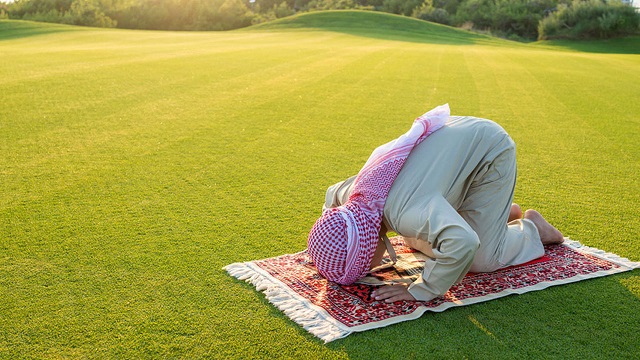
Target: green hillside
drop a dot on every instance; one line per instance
(377, 25)
(136, 164)
(17, 29)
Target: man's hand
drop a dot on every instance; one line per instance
(391, 293)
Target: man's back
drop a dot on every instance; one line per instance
(444, 165)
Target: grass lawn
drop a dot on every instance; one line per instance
(136, 164)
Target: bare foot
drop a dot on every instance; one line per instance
(548, 234)
(515, 213)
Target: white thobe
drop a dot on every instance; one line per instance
(451, 200)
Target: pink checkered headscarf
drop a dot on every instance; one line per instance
(343, 240)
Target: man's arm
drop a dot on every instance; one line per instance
(454, 246)
(338, 194)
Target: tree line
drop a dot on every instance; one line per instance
(512, 19)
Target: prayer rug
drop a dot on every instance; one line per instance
(331, 311)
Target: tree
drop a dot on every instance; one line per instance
(87, 13)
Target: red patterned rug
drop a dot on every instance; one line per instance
(331, 311)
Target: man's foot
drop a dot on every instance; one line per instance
(548, 234)
(515, 213)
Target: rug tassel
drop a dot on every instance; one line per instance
(318, 322)
(602, 254)
(288, 302)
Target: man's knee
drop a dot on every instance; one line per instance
(471, 242)
(462, 245)
(483, 262)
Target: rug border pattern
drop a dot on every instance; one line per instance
(320, 323)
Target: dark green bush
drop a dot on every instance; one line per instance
(507, 18)
(402, 7)
(283, 10)
(139, 14)
(590, 19)
(87, 13)
(478, 12)
(451, 6)
(76, 12)
(520, 18)
(427, 12)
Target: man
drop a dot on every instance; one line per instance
(451, 199)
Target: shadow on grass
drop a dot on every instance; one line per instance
(377, 25)
(625, 45)
(580, 320)
(384, 26)
(16, 29)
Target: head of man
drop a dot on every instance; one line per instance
(343, 241)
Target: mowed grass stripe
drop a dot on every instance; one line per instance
(494, 73)
(86, 47)
(575, 134)
(587, 140)
(168, 101)
(144, 212)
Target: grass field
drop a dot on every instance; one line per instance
(136, 164)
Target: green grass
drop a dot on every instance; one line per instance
(136, 164)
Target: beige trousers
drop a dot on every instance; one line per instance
(452, 200)
(519, 231)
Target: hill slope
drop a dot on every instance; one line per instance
(378, 25)
(15, 29)
(401, 28)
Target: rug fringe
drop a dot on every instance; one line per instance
(601, 253)
(319, 323)
(296, 308)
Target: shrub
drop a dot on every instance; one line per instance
(449, 5)
(427, 12)
(86, 13)
(3, 11)
(231, 14)
(52, 16)
(35, 9)
(478, 12)
(401, 7)
(590, 19)
(520, 18)
(283, 10)
(513, 19)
